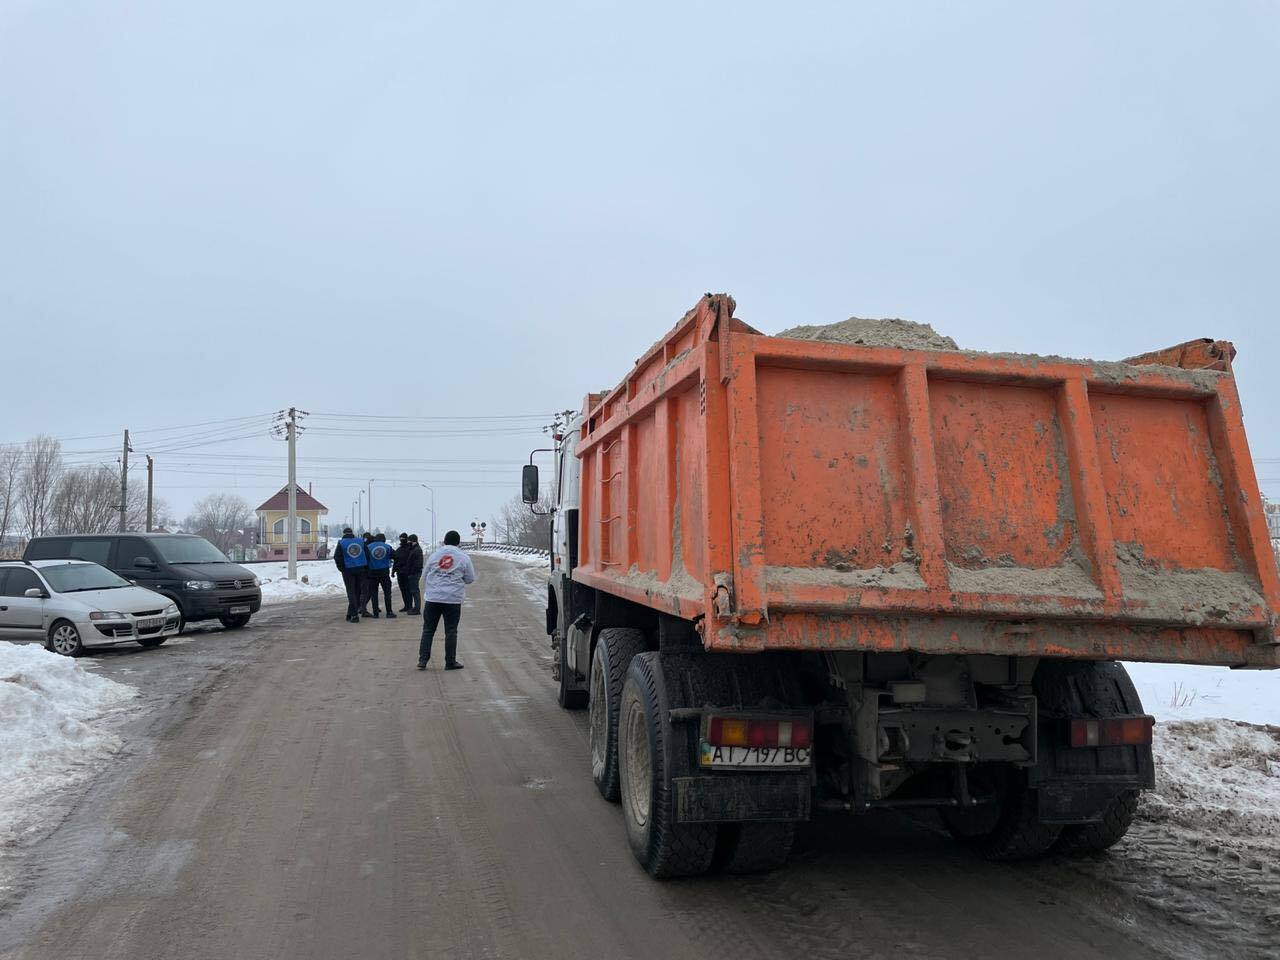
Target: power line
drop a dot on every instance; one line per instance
(463, 419)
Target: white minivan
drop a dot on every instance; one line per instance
(69, 605)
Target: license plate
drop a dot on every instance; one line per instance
(151, 623)
(234, 610)
(719, 757)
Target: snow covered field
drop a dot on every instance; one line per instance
(50, 741)
(1180, 692)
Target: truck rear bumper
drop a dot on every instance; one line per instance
(726, 798)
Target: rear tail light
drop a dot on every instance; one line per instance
(752, 732)
(1112, 732)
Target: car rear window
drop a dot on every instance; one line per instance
(94, 549)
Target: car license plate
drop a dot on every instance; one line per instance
(241, 609)
(150, 623)
(721, 757)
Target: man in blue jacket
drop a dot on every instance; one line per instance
(380, 557)
(350, 558)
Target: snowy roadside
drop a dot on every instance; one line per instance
(51, 708)
(530, 572)
(316, 578)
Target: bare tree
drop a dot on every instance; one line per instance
(41, 468)
(219, 518)
(515, 523)
(86, 500)
(10, 482)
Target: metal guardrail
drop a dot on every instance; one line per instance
(508, 548)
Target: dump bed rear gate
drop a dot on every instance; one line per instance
(805, 495)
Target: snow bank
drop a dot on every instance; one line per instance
(48, 742)
(1219, 776)
(1171, 691)
(316, 578)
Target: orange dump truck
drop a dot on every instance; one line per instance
(790, 574)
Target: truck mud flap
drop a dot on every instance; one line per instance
(1079, 801)
(738, 797)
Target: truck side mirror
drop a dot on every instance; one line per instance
(529, 483)
(143, 562)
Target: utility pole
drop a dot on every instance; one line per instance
(286, 425)
(124, 483)
(291, 426)
(150, 477)
(369, 526)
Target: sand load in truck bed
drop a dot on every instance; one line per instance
(823, 492)
(889, 332)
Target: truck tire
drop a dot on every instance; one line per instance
(615, 648)
(649, 748)
(1098, 688)
(568, 695)
(753, 847)
(1011, 829)
(1082, 839)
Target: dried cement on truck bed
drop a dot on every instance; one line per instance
(1068, 580)
(890, 332)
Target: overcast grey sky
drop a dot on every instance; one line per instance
(215, 210)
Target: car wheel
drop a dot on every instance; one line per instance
(64, 639)
(234, 623)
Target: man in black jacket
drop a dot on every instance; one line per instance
(409, 572)
(400, 570)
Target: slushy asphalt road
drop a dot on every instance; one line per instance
(299, 790)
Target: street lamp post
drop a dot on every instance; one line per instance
(433, 513)
(360, 513)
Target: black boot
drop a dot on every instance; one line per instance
(390, 615)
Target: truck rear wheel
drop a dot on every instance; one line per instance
(1008, 829)
(1084, 838)
(615, 648)
(1095, 688)
(754, 847)
(648, 749)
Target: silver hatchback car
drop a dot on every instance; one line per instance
(69, 605)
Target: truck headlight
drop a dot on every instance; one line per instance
(199, 584)
(106, 615)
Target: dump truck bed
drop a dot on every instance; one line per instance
(795, 494)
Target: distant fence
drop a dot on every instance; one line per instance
(509, 548)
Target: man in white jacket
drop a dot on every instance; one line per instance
(448, 571)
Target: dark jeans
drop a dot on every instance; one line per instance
(380, 578)
(353, 580)
(452, 613)
(410, 591)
